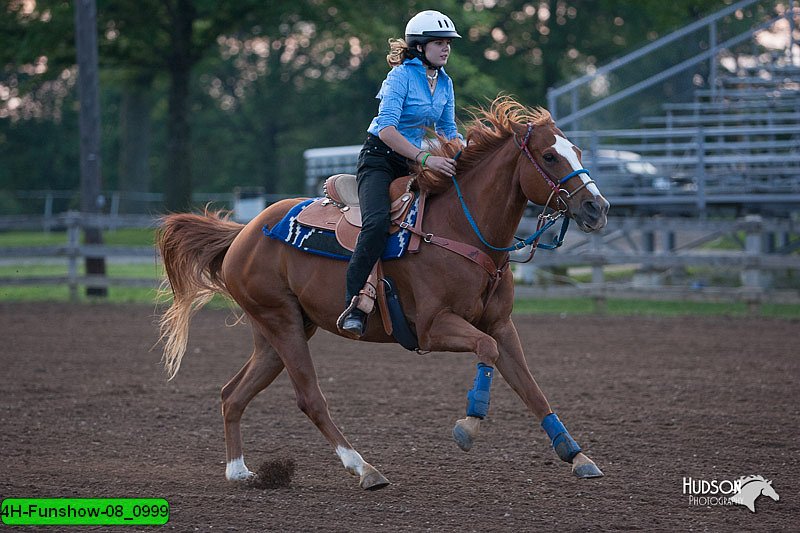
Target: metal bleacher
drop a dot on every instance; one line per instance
(704, 120)
(719, 134)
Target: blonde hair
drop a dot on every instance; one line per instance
(398, 52)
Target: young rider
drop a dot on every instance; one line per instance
(417, 94)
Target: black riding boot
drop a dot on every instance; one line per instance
(378, 165)
(355, 323)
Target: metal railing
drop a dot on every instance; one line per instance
(699, 167)
(580, 89)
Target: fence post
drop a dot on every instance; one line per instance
(48, 211)
(73, 243)
(752, 278)
(648, 276)
(92, 199)
(114, 212)
(667, 241)
(598, 276)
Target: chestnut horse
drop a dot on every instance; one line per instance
(513, 155)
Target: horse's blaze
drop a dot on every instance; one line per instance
(568, 151)
(595, 218)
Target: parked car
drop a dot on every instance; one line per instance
(621, 172)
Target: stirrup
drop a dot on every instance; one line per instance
(352, 331)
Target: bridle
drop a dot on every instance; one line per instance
(555, 185)
(545, 220)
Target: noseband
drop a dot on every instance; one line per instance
(555, 185)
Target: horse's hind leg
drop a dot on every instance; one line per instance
(288, 339)
(257, 373)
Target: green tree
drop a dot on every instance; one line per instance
(171, 37)
(222, 113)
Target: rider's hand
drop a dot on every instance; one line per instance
(442, 165)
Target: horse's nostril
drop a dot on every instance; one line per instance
(595, 208)
(591, 208)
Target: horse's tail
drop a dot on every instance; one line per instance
(192, 248)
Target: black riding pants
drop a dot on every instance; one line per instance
(378, 165)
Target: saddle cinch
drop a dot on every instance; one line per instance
(339, 210)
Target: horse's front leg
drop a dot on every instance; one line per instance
(452, 333)
(512, 365)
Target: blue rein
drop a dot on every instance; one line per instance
(557, 241)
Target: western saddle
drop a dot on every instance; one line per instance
(339, 211)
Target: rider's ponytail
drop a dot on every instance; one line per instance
(398, 52)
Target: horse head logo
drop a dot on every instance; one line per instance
(751, 488)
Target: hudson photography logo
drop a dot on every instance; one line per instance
(743, 491)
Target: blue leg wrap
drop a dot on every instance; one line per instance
(563, 443)
(479, 395)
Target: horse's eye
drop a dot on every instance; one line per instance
(550, 158)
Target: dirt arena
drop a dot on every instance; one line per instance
(86, 411)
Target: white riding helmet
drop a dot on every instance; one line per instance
(427, 26)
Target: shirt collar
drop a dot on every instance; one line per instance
(417, 62)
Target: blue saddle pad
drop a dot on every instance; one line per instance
(324, 243)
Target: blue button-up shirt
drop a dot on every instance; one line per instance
(408, 105)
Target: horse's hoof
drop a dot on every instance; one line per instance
(587, 471)
(236, 470)
(465, 431)
(462, 438)
(584, 468)
(241, 476)
(371, 479)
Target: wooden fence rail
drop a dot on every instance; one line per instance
(74, 252)
(648, 246)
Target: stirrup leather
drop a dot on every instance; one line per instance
(366, 298)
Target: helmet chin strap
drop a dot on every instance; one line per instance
(421, 55)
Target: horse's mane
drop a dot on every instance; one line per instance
(489, 128)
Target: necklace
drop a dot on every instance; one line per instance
(432, 80)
